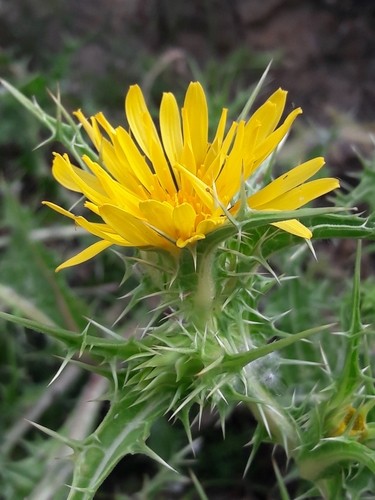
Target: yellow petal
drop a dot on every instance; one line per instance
(271, 142)
(104, 123)
(219, 136)
(85, 255)
(115, 191)
(268, 115)
(159, 215)
(286, 182)
(102, 231)
(66, 174)
(195, 120)
(116, 163)
(199, 187)
(98, 135)
(301, 195)
(251, 141)
(293, 226)
(131, 228)
(135, 163)
(91, 206)
(93, 130)
(212, 170)
(184, 217)
(58, 209)
(229, 179)
(144, 131)
(170, 128)
(139, 118)
(162, 168)
(208, 225)
(187, 160)
(183, 242)
(86, 125)
(82, 181)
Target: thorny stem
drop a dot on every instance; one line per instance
(205, 294)
(123, 431)
(271, 415)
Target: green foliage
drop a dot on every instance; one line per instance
(240, 320)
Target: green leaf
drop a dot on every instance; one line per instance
(323, 227)
(123, 431)
(97, 346)
(351, 375)
(236, 361)
(323, 460)
(255, 219)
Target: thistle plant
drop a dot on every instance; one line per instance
(203, 215)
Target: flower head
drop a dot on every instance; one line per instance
(169, 189)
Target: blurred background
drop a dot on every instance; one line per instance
(323, 53)
(322, 49)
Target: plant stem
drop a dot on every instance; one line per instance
(271, 415)
(205, 294)
(123, 431)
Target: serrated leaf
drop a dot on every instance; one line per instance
(95, 345)
(242, 359)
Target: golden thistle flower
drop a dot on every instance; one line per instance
(169, 190)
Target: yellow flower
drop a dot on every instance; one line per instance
(169, 189)
(353, 423)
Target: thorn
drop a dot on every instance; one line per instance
(265, 421)
(184, 418)
(61, 369)
(256, 441)
(201, 493)
(72, 443)
(152, 454)
(311, 248)
(106, 330)
(193, 253)
(222, 424)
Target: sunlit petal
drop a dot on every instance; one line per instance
(139, 118)
(159, 214)
(293, 226)
(301, 195)
(184, 220)
(170, 128)
(130, 228)
(66, 174)
(195, 119)
(286, 182)
(266, 118)
(59, 209)
(86, 254)
(266, 147)
(135, 164)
